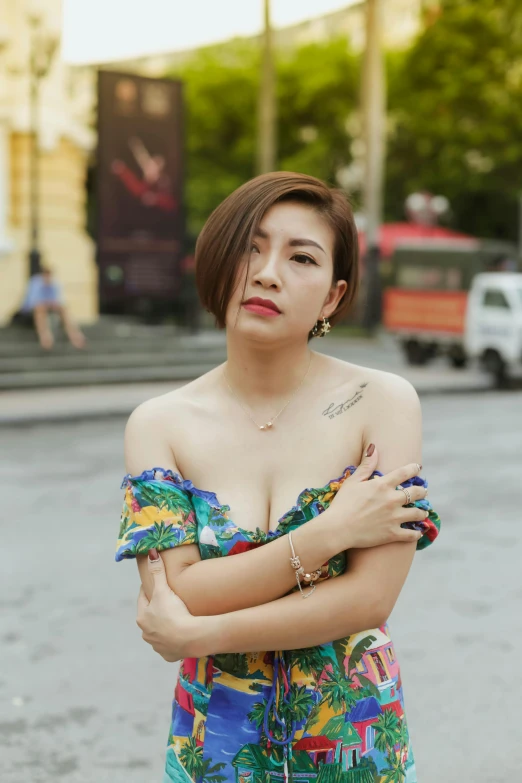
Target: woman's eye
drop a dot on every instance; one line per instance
(254, 249)
(302, 259)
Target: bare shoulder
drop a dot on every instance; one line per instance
(384, 389)
(150, 429)
(388, 413)
(390, 390)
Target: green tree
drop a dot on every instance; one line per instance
(454, 115)
(317, 88)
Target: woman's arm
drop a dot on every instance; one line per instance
(221, 585)
(365, 595)
(356, 601)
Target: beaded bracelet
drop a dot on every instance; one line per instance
(300, 573)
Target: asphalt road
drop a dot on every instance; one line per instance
(83, 700)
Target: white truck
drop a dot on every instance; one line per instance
(493, 324)
(457, 299)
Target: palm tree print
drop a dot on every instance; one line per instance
(322, 683)
(337, 691)
(191, 757)
(309, 660)
(160, 536)
(299, 704)
(387, 731)
(395, 771)
(208, 773)
(164, 495)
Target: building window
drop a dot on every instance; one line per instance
(390, 654)
(370, 737)
(361, 667)
(379, 666)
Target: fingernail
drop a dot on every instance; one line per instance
(371, 449)
(153, 554)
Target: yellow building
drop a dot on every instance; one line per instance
(65, 143)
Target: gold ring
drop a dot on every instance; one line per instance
(407, 493)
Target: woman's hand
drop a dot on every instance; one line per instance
(165, 621)
(370, 513)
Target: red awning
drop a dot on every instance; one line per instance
(392, 234)
(315, 743)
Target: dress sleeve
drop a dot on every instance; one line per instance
(157, 512)
(430, 527)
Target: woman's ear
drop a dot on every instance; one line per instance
(336, 293)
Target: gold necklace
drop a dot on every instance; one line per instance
(269, 424)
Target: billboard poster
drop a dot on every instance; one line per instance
(140, 226)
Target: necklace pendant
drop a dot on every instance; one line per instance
(265, 426)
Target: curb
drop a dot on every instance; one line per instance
(35, 418)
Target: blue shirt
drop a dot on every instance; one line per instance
(40, 292)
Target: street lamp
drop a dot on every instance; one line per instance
(41, 52)
(266, 151)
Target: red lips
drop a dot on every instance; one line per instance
(256, 300)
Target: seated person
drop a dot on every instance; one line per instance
(43, 295)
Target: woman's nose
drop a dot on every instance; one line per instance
(267, 272)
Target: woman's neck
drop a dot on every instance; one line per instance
(266, 375)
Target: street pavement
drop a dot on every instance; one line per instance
(86, 402)
(84, 700)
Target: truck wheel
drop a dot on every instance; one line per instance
(416, 353)
(457, 358)
(494, 364)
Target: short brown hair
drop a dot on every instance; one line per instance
(228, 233)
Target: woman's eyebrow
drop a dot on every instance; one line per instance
(304, 242)
(297, 242)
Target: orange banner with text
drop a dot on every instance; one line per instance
(431, 311)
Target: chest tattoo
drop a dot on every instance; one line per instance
(335, 409)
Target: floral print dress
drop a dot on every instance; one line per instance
(327, 714)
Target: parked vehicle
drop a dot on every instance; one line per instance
(493, 329)
(427, 287)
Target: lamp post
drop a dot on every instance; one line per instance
(266, 133)
(374, 112)
(41, 51)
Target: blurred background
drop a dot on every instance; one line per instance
(122, 125)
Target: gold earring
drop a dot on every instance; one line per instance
(320, 329)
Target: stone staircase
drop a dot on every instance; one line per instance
(118, 351)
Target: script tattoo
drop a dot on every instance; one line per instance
(335, 409)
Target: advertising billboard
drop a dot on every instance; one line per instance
(140, 225)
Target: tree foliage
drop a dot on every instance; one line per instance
(454, 121)
(455, 110)
(317, 90)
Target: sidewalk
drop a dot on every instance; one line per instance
(33, 406)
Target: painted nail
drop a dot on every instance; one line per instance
(371, 449)
(153, 554)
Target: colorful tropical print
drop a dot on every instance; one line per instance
(327, 714)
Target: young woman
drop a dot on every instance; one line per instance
(288, 670)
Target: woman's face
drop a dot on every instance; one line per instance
(291, 269)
